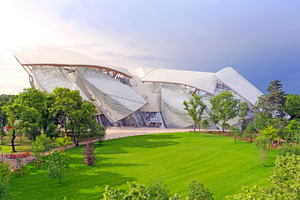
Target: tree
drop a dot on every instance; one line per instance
(270, 132)
(243, 112)
(204, 124)
(291, 129)
(89, 155)
(71, 112)
(40, 145)
(195, 108)
(224, 107)
(100, 132)
(236, 132)
(251, 131)
(57, 165)
(198, 191)
(262, 146)
(292, 106)
(20, 117)
(2, 133)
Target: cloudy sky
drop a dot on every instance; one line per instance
(259, 38)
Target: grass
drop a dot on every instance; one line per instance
(176, 158)
(21, 147)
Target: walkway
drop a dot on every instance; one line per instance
(111, 133)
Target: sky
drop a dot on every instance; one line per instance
(260, 39)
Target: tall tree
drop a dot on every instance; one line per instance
(195, 108)
(292, 106)
(243, 112)
(224, 107)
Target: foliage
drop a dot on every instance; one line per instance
(198, 191)
(262, 146)
(286, 176)
(292, 106)
(224, 107)
(71, 112)
(157, 190)
(89, 154)
(51, 131)
(57, 165)
(204, 124)
(100, 132)
(112, 194)
(195, 108)
(250, 131)
(243, 112)
(40, 145)
(255, 192)
(63, 141)
(289, 149)
(31, 133)
(5, 174)
(296, 137)
(236, 132)
(2, 133)
(270, 132)
(291, 129)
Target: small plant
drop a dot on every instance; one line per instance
(158, 191)
(101, 133)
(40, 145)
(63, 141)
(89, 155)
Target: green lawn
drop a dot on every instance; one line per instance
(21, 147)
(177, 158)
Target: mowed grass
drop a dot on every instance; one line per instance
(176, 158)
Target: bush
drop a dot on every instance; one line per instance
(262, 145)
(89, 155)
(197, 191)
(289, 149)
(236, 132)
(158, 191)
(250, 131)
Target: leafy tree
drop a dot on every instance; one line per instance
(51, 131)
(292, 106)
(19, 117)
(195, 108)
(256, 192)
(204, 125)
(224, 107)
(243, 112)
(250, 131)
(236, 132)
(57, 165)
(40, 145)
(262, 146)
(291, 129)
(296, 137)
(2, 133)
(100, 132)
(71, 112)
(89, 155)
(198, 191)
(286, 176)
(270, 132)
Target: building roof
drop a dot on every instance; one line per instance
(200, 80)
(60, 57)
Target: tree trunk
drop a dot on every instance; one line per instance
(13, 140)
(194, 127)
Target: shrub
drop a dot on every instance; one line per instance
(57, 165)
(158, 191)
(236, 132)
(197, 191)
(262, 146)
(89, 155)
(289, 149)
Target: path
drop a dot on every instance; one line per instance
(111, 133)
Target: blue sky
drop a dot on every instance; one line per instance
(259, 38)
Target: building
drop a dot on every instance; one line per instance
(148, 98)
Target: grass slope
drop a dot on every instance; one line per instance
(176, 158)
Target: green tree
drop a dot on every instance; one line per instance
(71, 112)
(243, 112)
(291, 129)
(195, 108)
(57, 165)
(198, 191)
(157, 190)
(262, 146)
(40, 145)
(270, 132)
(250, 131)
(204, 125)
(292, 106)
(20, 117)
(236, 132)
(224, 107)
(2, 133)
